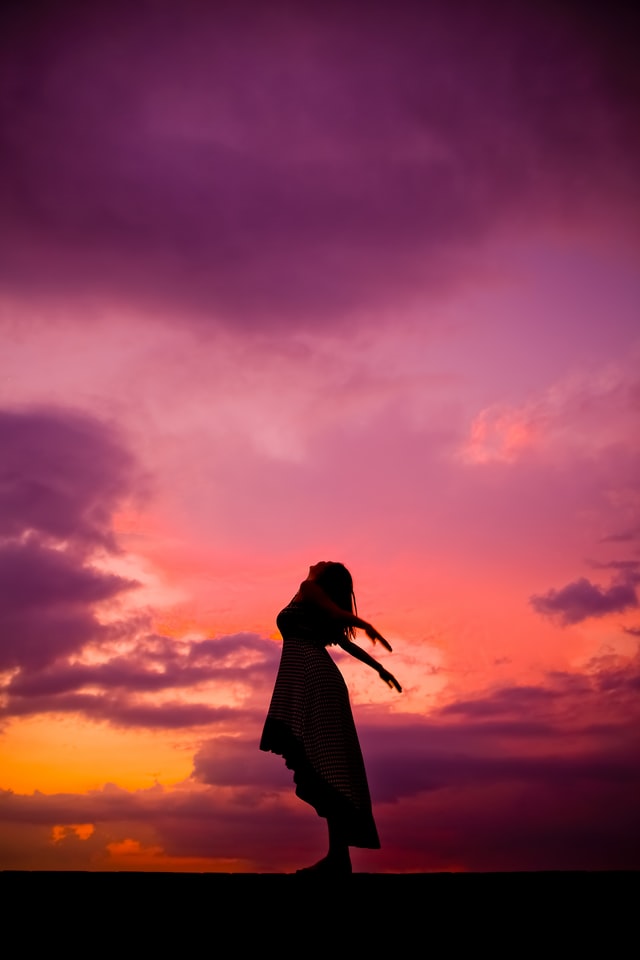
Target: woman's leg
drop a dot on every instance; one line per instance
(337, 861)
(338, 846)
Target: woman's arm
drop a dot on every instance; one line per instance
(310, 590)
(360, 654)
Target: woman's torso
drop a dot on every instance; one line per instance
(304, 622)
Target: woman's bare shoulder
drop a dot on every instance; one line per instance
(312, 593)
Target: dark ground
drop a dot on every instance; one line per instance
(509, 913)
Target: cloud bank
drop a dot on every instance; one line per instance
(545, 775)
(268, 165)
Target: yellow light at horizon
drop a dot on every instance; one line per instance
(67, 755)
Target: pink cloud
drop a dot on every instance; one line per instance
(590, 413)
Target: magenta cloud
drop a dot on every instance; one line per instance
(63, 474)
(61, 477)
(582, 599)
(277, 164)
(115, 689)
(48, 599)
(144, 670)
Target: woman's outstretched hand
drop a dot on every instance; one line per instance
(389, 679)
(373, 634)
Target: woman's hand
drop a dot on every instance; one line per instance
(389, 679)
(373, 634)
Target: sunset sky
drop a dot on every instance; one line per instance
(283, 282)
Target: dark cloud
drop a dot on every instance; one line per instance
(62, 474)
(624, 536)
(61, 477)
(269, 162)
(47, 604)
(119, 689)
(127, 712)
(531, 777)
(145, 671)
(510, 779)
(582, 599)
(231, 762)
(629, 567)
(197, 823)
(502, 702)
(574, 727)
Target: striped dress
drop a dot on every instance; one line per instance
(310, 724)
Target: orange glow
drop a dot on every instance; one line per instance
(63, 755)
(81, 830)
(130, 854)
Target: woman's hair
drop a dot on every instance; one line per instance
(337, 583)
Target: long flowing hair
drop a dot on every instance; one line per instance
(337, 583)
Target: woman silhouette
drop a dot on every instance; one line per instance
(310, 723)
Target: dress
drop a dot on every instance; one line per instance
(310, 724)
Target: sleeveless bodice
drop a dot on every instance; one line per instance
(305, 623)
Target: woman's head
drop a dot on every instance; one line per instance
(337, 583)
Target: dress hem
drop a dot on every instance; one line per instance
(358, 824)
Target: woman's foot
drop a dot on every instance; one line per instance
(329, 867)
